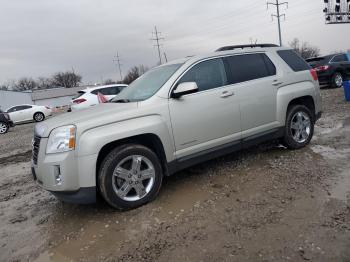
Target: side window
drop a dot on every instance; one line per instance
(25, 107)
(115, 90)
(207, 75)
(295, 62)
(249, 67)
(339, 58)
(12, 109)
(103, 91)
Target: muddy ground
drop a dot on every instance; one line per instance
(263, 204)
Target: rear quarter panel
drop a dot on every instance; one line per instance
(296, 85)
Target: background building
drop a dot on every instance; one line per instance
(54, 97)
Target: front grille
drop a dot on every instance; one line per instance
(36, 145)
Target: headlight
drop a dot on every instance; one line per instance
(61, 139)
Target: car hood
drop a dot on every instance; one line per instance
(98, 115)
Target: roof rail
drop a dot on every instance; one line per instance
(232, 47)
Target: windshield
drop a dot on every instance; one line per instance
(147, 85)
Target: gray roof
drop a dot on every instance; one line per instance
(55, 92)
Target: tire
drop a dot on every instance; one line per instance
(138, 180)
(337, 80)
(299, 127)
(39, 117)
(4, 128)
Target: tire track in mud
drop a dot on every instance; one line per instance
(17, 158)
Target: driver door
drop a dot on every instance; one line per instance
(208, 118)
(15, 114)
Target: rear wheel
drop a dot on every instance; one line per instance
(337, 80)
(299, 127)
(130, 176)
(38, 117)
(3, 128)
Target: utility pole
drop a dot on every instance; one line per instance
(166, 58)
(157, 38)
(117, 60)
(278, 16)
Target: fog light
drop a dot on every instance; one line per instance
(57, 175)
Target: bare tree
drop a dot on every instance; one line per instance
(45, 83)
(109, 82)
(134, 73)
(66, 79)
(304, 49)
(24, 84)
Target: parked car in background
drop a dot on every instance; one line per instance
(88, 97)
(27, 113)
(331, 69)
(5, 122)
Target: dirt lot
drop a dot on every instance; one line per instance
(263, 204)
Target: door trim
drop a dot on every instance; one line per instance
(225, 149)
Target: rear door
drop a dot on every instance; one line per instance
(254, 77)
(27, 113)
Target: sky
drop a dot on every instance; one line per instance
(42, 37)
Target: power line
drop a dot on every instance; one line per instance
(157, 38)
(117, 60)
(278, 16)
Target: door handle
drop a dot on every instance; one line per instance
(226, 94)
(277, 83)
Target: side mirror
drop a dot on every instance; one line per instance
(185, 89)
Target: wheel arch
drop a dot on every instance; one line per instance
(38, 112)
(148, 140)
(307, 101)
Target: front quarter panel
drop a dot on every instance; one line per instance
(91, 141)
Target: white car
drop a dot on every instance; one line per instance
(26, 113)
(88, 97)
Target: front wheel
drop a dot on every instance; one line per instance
(3, 128)
(299, 127)
(337, 80)
(130, 176)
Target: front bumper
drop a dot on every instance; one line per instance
(84, 195)
(67, 176)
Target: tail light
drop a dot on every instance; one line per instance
(314, 74)
(322, 68)
(79, 101)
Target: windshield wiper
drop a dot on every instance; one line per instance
(121, 101)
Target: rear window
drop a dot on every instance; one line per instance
(79, 94)
(295, 62)
(340, 58)
(243, 68)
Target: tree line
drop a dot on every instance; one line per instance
(66, 79)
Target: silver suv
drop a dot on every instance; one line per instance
(174, 116)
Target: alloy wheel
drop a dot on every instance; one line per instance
(300, 127)
(338, 79)
(133, 178)
(3, 128)
(39, 117)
